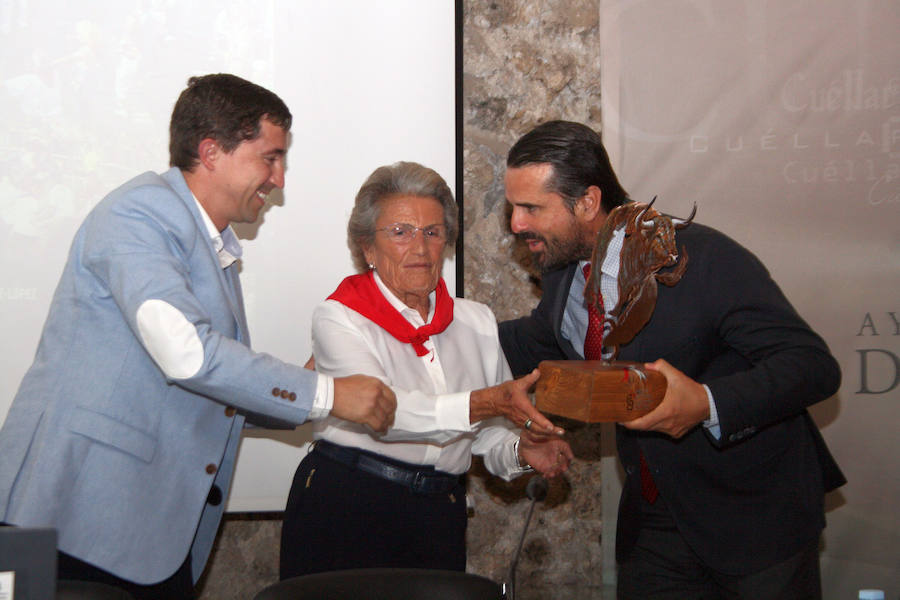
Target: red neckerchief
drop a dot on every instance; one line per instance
(361, 294)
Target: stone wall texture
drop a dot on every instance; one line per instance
(525, 62)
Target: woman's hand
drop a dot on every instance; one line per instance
(549, 456)
(510, 399)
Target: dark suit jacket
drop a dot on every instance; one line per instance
(755, 496)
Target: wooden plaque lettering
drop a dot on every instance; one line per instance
(596, 391)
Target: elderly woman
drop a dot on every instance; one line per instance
(365, 499)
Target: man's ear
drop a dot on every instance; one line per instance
(208, 151)
(589, 206)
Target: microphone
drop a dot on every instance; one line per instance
(536, 490)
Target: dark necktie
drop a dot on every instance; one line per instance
(593, 350)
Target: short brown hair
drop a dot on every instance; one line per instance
(225, 108)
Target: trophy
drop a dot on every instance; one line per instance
(596, 391)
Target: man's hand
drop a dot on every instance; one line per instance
(683, 407)
(510, 400)
(365, 400)
(549, 456)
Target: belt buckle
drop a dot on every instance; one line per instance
(419, 481)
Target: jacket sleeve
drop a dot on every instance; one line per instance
(790, 368)
(147, 252)
(527, 341)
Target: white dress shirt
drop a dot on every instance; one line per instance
(431, 426)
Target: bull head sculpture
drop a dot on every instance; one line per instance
(648, 246)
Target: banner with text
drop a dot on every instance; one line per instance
(781, 121)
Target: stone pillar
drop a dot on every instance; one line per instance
(526, 62)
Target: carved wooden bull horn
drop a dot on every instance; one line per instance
(648, 223)
(682, 223)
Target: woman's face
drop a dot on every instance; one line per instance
(410, 268)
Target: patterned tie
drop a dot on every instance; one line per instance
(593, 340)
(593, 350)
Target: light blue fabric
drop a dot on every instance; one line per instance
(98, 443)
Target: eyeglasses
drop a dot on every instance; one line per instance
(404, 233)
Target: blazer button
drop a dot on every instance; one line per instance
(292, 396)
(210, 468)
(285, 394)
(214, 498)
(229, 411)
(276, 392)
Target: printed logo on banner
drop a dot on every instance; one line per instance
(848, 93)
(865, 149)
(890, 136)
(879, 367)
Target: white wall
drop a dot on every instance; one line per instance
(86, 91)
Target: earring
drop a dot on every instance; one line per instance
(371, 266)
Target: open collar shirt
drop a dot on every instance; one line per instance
(228, 250)
(431, 425)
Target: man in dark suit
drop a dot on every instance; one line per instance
(731, 499)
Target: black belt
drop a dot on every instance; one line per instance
(422, 481)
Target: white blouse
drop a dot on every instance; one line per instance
(431, 426)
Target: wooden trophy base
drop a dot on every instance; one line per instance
(598, 391)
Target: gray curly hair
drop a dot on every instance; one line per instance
(398, 179)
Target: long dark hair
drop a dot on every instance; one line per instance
(578, 158)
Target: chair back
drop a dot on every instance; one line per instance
(384, 584)
(89, 590)
(27, 562)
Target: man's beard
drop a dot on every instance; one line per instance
(557, 252)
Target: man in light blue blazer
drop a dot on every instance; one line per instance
(124, 431)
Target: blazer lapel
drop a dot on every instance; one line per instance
(559, 298)
(228, 277)
(237, 297)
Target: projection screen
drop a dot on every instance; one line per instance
(86, 94)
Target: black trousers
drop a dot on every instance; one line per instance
(179, 586)
(663, 567)
(340, 518)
